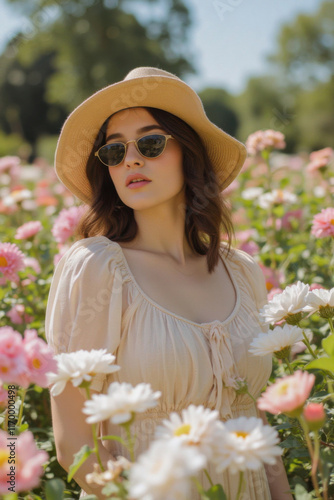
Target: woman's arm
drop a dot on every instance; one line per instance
(71, 432)
(276, 474)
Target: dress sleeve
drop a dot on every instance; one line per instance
(84, 309)
(253, 277)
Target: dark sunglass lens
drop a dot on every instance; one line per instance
(112, 154)
(152, 145)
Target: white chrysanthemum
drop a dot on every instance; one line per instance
(276, 340)
(246, 443)
(251, 193)
(198, 427)
(276, 197)
(319, 298)
(80, 366)
(291, 301)
(120, 403)
(164, 471)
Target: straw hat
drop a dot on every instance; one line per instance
(143, 86)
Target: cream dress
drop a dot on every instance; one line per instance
(95, 302)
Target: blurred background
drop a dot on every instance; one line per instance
(257, 64)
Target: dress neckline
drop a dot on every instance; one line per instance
(170, 313)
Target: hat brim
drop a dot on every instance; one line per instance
(81, 128)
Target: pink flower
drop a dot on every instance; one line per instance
(245, 235)
(323, 223)
(273, 292)
(320, 159)
(40, 358)
(59, 255)
(315, 415)
(18, 316)
(11, 261)
(316, 286)
(288, 394)
(273, 278)
(250, 247)
(13, 363)
(33, 263)
(66, 223)
(28, 230)
(28, 462)
(11, 165)
(286, 221)
(265, 139)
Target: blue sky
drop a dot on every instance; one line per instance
(231, 38)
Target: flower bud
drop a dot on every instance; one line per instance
(314, 415)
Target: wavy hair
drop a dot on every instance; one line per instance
(207, 216)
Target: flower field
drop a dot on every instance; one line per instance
(283, 215)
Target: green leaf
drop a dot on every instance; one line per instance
(290, 442)
(79, 459)
(54, 489)
(216, 492)
(328, 345)
(113, 438)
(322, 364)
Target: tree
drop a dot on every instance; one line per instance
(305, 54)
(86, 45)
(217, 104)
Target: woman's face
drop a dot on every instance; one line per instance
(165, 171)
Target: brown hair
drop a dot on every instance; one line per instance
(207, 216)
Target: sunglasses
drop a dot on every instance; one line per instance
(149, 146)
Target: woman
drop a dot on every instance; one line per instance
(150, 278)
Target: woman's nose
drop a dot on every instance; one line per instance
(132, 156)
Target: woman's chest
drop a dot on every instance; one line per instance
(191, 293)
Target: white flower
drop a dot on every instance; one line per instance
(290, 301)
(114, 469)
(80, 366)
(16, 197)
(276, 197)
(251, 193)
(198, 427)
(319, 298)
(164, 471)
(246, 443)
(120, 403)
(276, 340)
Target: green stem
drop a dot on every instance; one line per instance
(130, 441)
(307, 437)
(308, 345)
(312, 453)
(241, 477)
(250, 395)
(208, 476)
(289, 365)
(330, 321)
(317, 463)
(96, 444)
(199, 487)
(22, 393)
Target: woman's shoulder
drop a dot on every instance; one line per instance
(249, 275)
(96, 250)
(241, 259)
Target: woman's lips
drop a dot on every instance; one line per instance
(133, 185)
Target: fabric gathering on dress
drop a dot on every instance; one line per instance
(95, 302)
